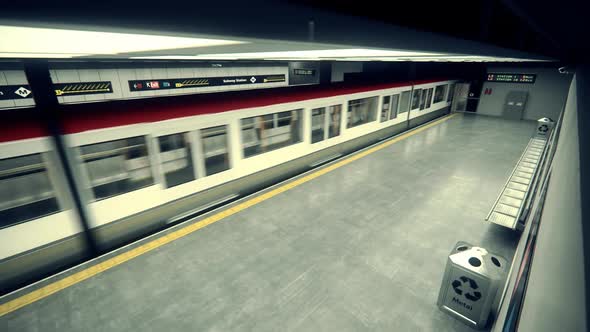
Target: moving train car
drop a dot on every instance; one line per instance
(142, 165)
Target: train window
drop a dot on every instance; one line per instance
(318, 124)
(117, 167)
(267, 121)
(451, 92)
(404, 103)
(335, 113)
(176, 158)
(215, 149)
(284, 119)
(25, 190)
(269, 132)
(428, 98)
(385, 108)
(423, 99)
(439, 93)
(394, 105)
(416, 99)
(361, 111)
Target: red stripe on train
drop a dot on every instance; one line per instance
(91, 116)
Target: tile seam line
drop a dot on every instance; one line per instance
(77, 277)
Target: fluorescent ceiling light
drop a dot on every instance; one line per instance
(45, 40)
(174, 57)
(39, 55)
(334, 53)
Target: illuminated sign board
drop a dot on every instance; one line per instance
(86, 88)
(200, 82)
(21, 91)
(511, 78)
(305, 72)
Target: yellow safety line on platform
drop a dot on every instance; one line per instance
(77, 277)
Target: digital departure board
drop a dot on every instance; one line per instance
(198, 82)
(511, 78)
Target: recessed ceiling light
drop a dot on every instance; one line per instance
(52, 41)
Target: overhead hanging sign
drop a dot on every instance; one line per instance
(86, 88)
(199, 82)
(511, 78)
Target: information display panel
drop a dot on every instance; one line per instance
(511, 78)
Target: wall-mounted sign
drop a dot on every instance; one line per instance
(511, 78)
(182, 83)
(85, 88)
(306, 72)
(9, 92)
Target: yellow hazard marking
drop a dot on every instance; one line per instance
(89, 272)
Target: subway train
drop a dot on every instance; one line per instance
(142, 165)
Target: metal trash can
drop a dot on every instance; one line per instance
(544, 127)
(469, 290)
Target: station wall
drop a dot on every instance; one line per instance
(339, 68)
(120, 76)
(546, 96)
(555, 292)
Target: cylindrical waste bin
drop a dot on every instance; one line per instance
(544, 127)
(469, 290)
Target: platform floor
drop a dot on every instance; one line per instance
(361, 248)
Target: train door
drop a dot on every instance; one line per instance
(459, 97)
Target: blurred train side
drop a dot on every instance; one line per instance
(142, 165)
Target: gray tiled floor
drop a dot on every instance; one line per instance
(361, 248)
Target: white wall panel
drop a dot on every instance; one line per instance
(5, 103)
(17, 77)
(90, 75)
(546, 97)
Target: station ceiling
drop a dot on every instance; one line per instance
(272, 30)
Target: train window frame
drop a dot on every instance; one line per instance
(385, 108)
(415, 100)
(331, 122)
(441, 95)
(423, 99)
(429, 94)
(323, 124)
(148, 160)
(335, 123)
(189, 156)
(401, 109)
(259, 125)
(370, 115)
(224, 152)
(393, 112)
(24, 212)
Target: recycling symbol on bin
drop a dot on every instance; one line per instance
(543, 128)
(460, 288)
